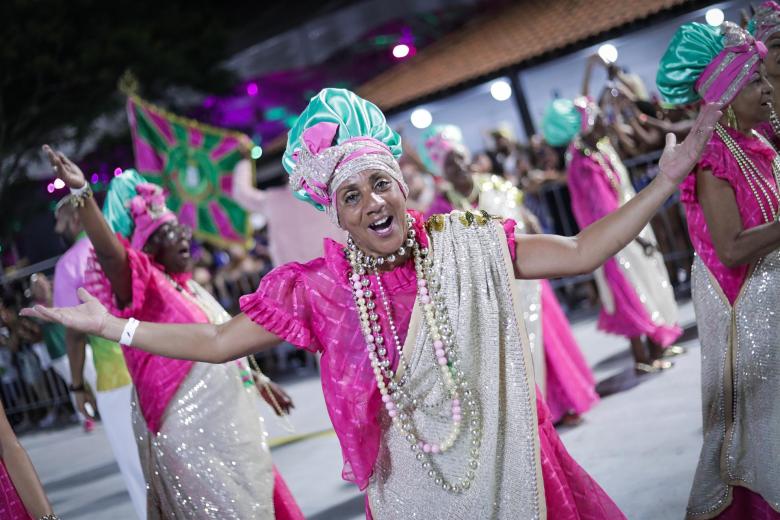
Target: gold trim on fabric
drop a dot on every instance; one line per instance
(528, 362)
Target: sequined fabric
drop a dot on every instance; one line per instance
(154, 299)
(719, 160)
(635, 292)
(477, 283)
(740, 363)
(11, 506)
(210, 459)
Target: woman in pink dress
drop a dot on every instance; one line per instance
(426, 369)
(566, 381)
(732, 200)
(21, 493)
(199, 432)
(636, 296)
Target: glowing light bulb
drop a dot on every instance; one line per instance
(401, 51)
(256, 152)
(608, 53)
(714, 17)
(500, 90)
(59, 184)
(421, 118)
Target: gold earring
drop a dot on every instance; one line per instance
(731, 118)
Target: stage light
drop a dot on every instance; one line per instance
(401, 51)
(59, 184)
(117, 172)
(500, 90)
(50, 188)
(714, 16)
(251, 89)
(95, 178)
(256, 152)
(421, 118)
(608, 53)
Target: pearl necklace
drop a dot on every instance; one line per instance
(400, 406)
(756, 181)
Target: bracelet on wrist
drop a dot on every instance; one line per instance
(79, 196)
(49, 517)
(77, 388)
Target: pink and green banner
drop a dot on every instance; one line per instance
(194, 163)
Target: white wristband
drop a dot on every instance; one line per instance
(129, 331)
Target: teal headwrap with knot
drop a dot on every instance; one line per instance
(121, 190)
(561, 122)
(337, 135)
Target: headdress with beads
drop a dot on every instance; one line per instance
(704, 62)
(337, 136)
(765, 22)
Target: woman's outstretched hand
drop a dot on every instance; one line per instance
(678, 160)
(65, 169)
(89, 317)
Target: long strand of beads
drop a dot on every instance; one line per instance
(756, 181)
(399, 405)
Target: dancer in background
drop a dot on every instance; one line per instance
(198, 429)
(98, 377)
(732, 201)
(293, 236)
(416, 428)
(561, 370)
(637, 300)
(21, 493)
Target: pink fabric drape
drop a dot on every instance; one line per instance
(593, 197)
(311, 306)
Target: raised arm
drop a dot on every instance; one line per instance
(734, 245)
(110, 252)
(247, 196)
(551, 256)
(198, 342)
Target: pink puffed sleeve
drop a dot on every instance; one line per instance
(281, 306)
(509, 231)
(97, 283)
(717, 158)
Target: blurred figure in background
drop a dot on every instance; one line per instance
(54, 338)
(636, 295)
(561, 371)
(111, 390)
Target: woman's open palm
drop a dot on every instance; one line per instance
(89, 317)
(678, 160)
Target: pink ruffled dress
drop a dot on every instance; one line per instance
(11, 506)
(157, 378)
(721, 163)
(592, 198)
(311, 306)
(569, 385)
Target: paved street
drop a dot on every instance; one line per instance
(641, 444)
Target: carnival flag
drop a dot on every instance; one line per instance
(194, 163)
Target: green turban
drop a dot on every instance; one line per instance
(562, 121)
(692, 48)
(115, 210)
(355, 117)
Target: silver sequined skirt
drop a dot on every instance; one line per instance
(740, 389)
(210, 459)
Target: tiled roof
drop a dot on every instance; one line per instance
(525, 30)
(514, 34)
